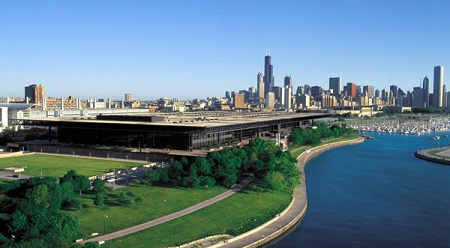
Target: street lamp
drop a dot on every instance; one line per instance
(104, 224)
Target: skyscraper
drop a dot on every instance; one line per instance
(369, 90)
(270, 100)
(418, 95)
(127, 97)
(351, 89)
(438, 86)
(268, 74)
(35, 94)
(260, 85)
(444, 96)
(239, 101)
(287, 92)
(426, 91)
(394, 90)
(335, 85)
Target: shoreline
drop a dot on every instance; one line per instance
(425, 155)
(284, 222)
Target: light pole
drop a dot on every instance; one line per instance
(104, 224)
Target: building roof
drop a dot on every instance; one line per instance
(17, 106)
(190, 119)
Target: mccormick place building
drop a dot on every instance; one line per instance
(181, 131)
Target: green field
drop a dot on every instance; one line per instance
(154, 202)
(241, 209)
(57, 166)
(3, 181)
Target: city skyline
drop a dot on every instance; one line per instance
(184, 50)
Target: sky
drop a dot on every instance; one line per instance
(188, 49)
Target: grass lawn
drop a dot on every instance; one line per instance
(3, 181)
(154, 202)
(241, 209)
(297, 153)
(57, 166)
(343, 138)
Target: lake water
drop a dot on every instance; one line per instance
(376, 194)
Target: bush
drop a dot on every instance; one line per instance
(99, 200)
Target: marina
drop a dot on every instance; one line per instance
(402, 126)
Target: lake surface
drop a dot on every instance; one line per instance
(376, 194)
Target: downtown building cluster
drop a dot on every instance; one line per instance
(268, 97)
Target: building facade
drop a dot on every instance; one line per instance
(438, 85)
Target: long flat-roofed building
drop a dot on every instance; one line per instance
(175, 131)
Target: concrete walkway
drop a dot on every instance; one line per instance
(172, 216)
(294, 212)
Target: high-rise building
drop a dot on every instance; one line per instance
(268, 75)
(288, 81)
(335, 85)
(394, 91)
(438, 86)
(277, 91)
(426, 91)
(227, 95)
(239, 101)
(127, 97)
(369, 90)
(287, 92)
(287, 97)
(270, 100)
(444, 96)
(303, 100)
(35, 94)
(359, 90)
(377, 93)
(300, 90)
(351, 89)
(316, 91)
(260, 85)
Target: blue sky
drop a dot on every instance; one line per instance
(188, 49)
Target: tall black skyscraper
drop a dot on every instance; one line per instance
(268, 75)
(335, 85)
(426, 92)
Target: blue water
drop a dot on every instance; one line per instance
(376, 194)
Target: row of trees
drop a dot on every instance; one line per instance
(264, 159)
(34, 208)
(315, 134)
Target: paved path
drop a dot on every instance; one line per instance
(172, 216)
(292, 216)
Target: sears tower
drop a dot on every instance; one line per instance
(268, 75)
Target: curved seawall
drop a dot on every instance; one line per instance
(425, 155)
(282, 223)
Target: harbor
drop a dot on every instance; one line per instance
(401, 126)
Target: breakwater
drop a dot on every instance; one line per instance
(425, 155)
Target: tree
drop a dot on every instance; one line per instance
(152, 176)
(123, 199)
(98, 184)
(19, 222)
(67, 192)
(99, 200)
(275, 180)
(79, 182)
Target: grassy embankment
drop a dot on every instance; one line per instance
(436, 151)
(57, 166)
(147, 203)
(236, 214)
(295, 153)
